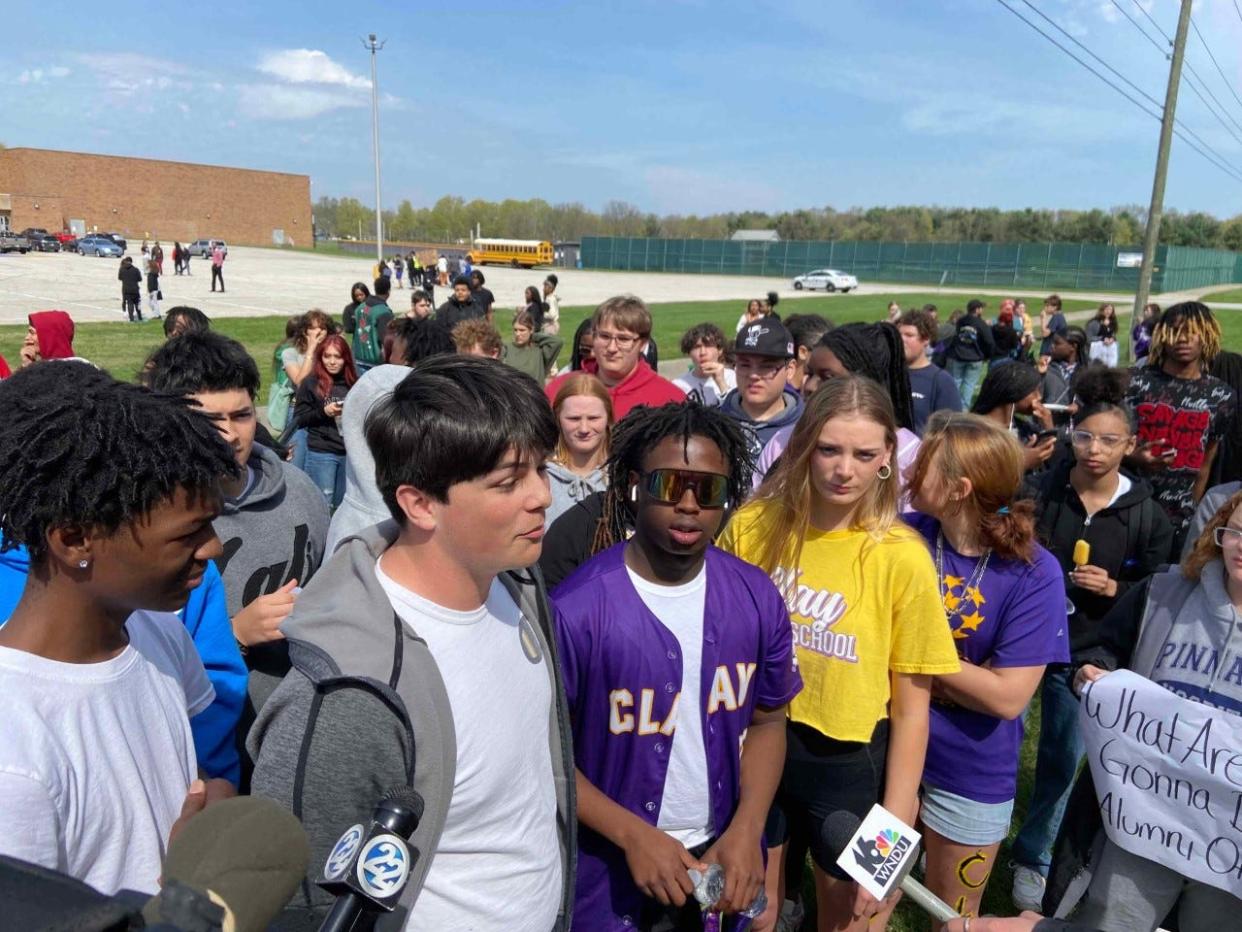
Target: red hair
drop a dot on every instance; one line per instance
(324, 378)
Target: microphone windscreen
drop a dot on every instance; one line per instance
(406, 797)
(248, 851)
(838, 831)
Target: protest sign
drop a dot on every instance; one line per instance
(1168, 777)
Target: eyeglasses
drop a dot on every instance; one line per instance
(1230, 535)
(623, 342)
(1084, 438)
(711, 490)
(764, 370)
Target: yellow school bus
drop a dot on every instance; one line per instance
(515, 252)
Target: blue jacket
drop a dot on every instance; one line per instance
(207, 620)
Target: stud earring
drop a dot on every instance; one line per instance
(633, 493)
(83, 564)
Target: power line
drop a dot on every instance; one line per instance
(1067, 35)
(1214, 158)
(1135, 23)
(1238, 9)
(1193, 76)
(1219, 70)
(1142, 9)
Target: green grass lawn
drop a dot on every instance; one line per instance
(121, 347)
(1231, 296)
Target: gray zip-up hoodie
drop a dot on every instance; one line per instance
(568, 488)
(364, 708)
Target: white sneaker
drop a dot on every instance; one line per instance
(791, 917)
(1028, 888)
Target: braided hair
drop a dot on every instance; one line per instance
(640, 431)
(1005, 385)
(876, 352)
(79, 447)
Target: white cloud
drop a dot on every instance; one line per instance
(58, 71)
(281, 102)
(310, 66)
(30, 77)
(183, 106)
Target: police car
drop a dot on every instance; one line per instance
(827, 279)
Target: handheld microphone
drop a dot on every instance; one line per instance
(368, 868)
(876, 871)
(233, 866)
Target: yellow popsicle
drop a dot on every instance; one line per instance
(1082, 553)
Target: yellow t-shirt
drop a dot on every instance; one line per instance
(859, 608)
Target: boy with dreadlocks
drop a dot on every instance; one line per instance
(112, 490)
(672, 651)
(1182, 411)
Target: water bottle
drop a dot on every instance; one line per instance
(709, 887)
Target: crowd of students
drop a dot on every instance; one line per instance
(613, 628)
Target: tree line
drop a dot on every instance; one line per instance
(453, 219)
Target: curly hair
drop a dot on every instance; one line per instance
(79, 447)
(1205, 548)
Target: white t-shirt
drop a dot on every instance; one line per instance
(95, 759)
(685, 808)
(705, 391)
(498, 863)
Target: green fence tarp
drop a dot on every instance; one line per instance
(1043, 266)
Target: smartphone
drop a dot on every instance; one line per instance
(1045, 434)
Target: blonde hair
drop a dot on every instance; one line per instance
(1206, 549)
(580, 384)
(967, 446)
(788, 491)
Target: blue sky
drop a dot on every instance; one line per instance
(677, 106)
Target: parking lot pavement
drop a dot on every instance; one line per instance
(273, 281)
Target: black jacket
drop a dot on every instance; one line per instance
(322, 434)
(972, 342)
(1129, 539)
(452, 312)
(130, 277)
(567, 544)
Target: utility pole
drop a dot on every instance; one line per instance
(1152, 237)
(374, 46)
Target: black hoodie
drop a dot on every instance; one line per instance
(1129, 539)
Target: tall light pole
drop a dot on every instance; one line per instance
(1151, 238)
(374, 45)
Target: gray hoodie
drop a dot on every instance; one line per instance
(363, 505)
(365, 708)
(568, 488)
(272, 534)
(758, 433)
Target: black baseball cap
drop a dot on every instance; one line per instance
(765, 337)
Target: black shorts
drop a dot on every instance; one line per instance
(822, 776)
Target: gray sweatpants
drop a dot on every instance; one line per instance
(1132, 894)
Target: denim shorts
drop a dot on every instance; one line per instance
(963, 820)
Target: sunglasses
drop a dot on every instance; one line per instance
(711, 490)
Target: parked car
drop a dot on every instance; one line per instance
(31, 232)
(65, 237)
(99, 245)
(13, 242)
(69, 245)
(118, 239)
(44, 243)
(827, 279)
(205, 247)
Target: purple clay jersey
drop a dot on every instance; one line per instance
(622, 673)
(1012, 616)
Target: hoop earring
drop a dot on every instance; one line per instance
(633, 493)
(885, 471)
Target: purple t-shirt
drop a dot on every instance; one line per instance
(1014, 617)
(622, 673)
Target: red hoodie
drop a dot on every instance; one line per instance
(55, 332)
(643, 386)
(5, 372)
